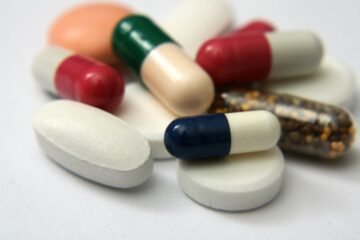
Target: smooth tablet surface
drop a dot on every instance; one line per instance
(333, 83)
(236, 183)
(143, 111)
(194, 22)
(86, 29)
(93, 144)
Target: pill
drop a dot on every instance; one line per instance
(141, 110)
(236, 183)
(190, 25)
(218, 135)
(256, 57)
(176, 80)
(333, 76)
(260, 26)
(79, 78)
(308, 127)
(86, 29)
(93, 144)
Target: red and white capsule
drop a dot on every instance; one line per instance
(79, 78)
(256, 56)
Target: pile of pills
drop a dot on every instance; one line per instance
(203, 98)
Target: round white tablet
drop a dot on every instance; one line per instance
(144, 112)
(235, 183)
(93, 144)
(333, 83)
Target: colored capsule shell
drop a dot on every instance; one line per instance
(256, 56)
(308, 127)
(79, 78)
(259, 26)
(218, 135)
(191, 26)
(135, 37)
(177, 81)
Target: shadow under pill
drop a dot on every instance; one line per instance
(149, 195)
(291, 204)
(346, 167)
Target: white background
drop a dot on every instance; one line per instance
(39, 200)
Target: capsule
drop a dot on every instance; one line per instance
(218, 135)
(177, 81)
(79, 78)
(256, 56)
(259, 26)
(308, 127)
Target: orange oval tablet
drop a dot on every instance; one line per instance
(87, 29)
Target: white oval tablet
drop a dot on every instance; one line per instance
(333, 83)
(194, 22)
(235, 183)
(141, 110)
(93, 144)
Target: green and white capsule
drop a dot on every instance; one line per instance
(168, 72)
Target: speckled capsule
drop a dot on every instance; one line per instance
(307, 126)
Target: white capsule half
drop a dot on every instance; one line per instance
(194, 22)
(46, 64)
(253, 131)
(294, 53)
(93, 144)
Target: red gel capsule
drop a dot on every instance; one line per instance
(254, 56)
(79, 78)
(243, 58)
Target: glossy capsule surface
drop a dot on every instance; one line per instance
(218, 135)
(255, 56)
(79, 78)
(307, 126)
(165, 69)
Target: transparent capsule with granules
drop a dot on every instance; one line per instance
(308, 127)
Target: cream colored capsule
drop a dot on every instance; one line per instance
(167, 71)
(182, 85)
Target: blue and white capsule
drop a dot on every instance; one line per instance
(218, 135)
